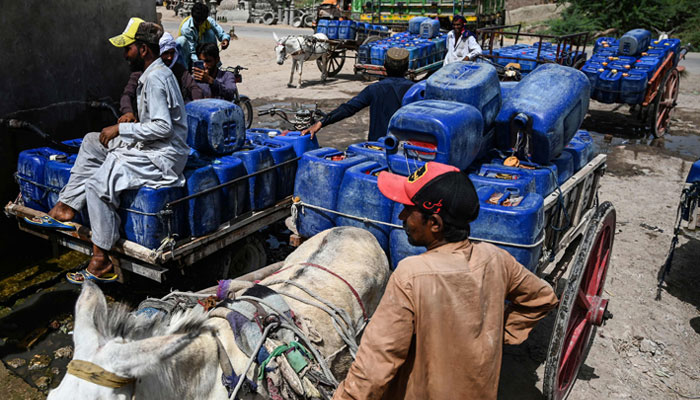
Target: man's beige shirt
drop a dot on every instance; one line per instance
(439, 329)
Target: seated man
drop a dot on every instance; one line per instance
(168, 53)
(152, 152)
(214, 82)
(198, 29)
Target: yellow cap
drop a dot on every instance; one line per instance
(614, 71)
(605, 63)
(511, 162)
(627, 66)
(625, 74)
(601, 69)
(129, 35)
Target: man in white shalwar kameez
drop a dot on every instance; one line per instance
(152, 152)
(461, 43)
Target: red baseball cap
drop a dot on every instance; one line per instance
(435, 188)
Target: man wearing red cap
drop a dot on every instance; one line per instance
(439, 329)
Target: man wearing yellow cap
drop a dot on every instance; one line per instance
(152, 152)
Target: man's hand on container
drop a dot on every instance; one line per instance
(312, 129)
(108, 134)
(127, 117)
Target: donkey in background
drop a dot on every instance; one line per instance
(303, 48)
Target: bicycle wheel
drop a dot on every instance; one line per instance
(247, 108)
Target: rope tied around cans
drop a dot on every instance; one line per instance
(298, 207)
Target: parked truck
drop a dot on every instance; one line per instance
(396, 13)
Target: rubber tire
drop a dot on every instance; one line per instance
(269, 19)
(247, 108)
(307, 20)
(567, 301)
(297, 21)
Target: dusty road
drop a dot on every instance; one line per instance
(651, 348)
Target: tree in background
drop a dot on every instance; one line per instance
(624, 15)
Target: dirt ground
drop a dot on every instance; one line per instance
(650, 349)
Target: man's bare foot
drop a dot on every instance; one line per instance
(99, 263)
(62, 212)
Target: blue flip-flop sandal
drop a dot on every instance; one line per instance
(74, 277)
(46, 221)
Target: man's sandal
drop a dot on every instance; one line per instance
(83, 275)
(46, 221)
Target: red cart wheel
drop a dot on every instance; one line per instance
(581, 307)
(664, 103)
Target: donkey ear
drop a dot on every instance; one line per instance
(89, 306)
(143, 356)
(274, 35)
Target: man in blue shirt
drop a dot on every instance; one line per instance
(197, 29)
(383, 97)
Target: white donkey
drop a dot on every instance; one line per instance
(121, 356)
(303, 48)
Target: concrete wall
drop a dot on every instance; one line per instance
(56, 51)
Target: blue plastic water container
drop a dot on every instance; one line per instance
(608, 87)
(31, 176)
(694, 173)
(150, 230)
(429, 28)
(300, 143)
(333, 26)
(586, 138)
(414, 93)
(262, 188)
(56, 176)
(399, 247)
(374, 151)
(203, 211)
(322, 26)
(545, 176)
(499, 176)
(506, 88)
(415, 23)
(378, 53)
(318, 180)
(579, 151)
(454, 129)
(633, 87)
(234, 198)
(360, 196)
(364, 53)
(470, 83)
(634, 42)
(605, 43)
(592, 72)
(347, 29)
(565, 166)
(549, 105)
(262, 132)
(281, 152)
(215, 126)
(672, 43)
(511, 217)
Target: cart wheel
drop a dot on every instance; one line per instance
(371, 39)
(664, 103)
(244, 256)
(335, 62)
(581, 307)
